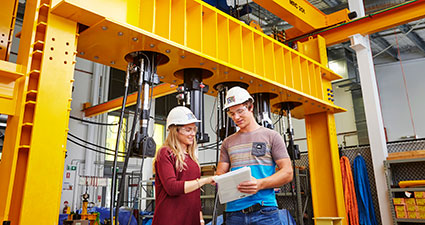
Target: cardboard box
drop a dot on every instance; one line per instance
(411, 208)
(401, 214)
(421, 215)
(419, 194)
(412, 215)
(208, 170)
(420, 201)
(81, 222)
(410, 201)
(400, 208)
(398, 201)
(421, 208)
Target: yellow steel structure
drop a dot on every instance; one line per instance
(8, 12)
(191, 33)
(195, 35)
(36, 90)
(32, 162)
(323, 156)
(302, 15)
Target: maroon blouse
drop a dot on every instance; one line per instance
(172, 205)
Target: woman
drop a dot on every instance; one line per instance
(177, 173)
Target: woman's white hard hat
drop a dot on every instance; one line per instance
(235, 96)
(181, 115)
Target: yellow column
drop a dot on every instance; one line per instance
(34, 150)
(325, 170)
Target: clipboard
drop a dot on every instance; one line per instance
(228, 184)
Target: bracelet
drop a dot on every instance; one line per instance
(197, 181)
(202, 221)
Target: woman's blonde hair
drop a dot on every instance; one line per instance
(173, 143)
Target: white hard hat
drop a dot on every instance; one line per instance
(235, 96)
(181, 115)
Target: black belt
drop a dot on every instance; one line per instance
(252, 208)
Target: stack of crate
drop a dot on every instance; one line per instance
(410, 208)
(208, 170)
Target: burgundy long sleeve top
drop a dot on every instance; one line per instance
(172, 205)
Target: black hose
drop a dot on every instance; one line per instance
(127, 156)
(91, 122)
(91, 149)
(114, 172)
(95, 145)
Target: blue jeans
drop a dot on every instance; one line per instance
(268, 215)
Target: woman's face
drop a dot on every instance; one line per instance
(186, 134)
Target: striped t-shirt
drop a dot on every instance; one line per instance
(258, 149)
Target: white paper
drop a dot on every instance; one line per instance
(228, 184)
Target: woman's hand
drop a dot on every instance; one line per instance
(211, 180)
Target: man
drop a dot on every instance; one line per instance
(261, 149)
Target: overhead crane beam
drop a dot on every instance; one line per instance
(302, 15)
(112, 105)
(372, 23)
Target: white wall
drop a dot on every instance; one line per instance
(395, 108)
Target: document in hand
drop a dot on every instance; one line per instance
(228, 184)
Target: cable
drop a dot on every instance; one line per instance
(277, 121)
(91, 149)
(91, 122)
(209, 145)
(114, 172)
(212, 112)
(127, 156)
(405, 88)
(95, 145)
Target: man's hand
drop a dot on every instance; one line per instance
(250, 187)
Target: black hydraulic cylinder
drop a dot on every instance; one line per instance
(193, 84)
(262, 109)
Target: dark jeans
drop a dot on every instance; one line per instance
(267, 215)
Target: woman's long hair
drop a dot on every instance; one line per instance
(174, 144)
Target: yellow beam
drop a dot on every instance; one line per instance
(303, 15)
(195, 35)
(33, 155)
(325, 170)
(9, 73)
(158, 91)
(8, 12)
(375, 22)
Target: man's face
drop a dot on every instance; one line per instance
(240, 115)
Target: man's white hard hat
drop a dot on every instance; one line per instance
(235, 96)
(181, 115)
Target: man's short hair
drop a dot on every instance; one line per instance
(249, 104)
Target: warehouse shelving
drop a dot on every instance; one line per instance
(391, 191)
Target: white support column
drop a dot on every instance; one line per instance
(374, 121)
